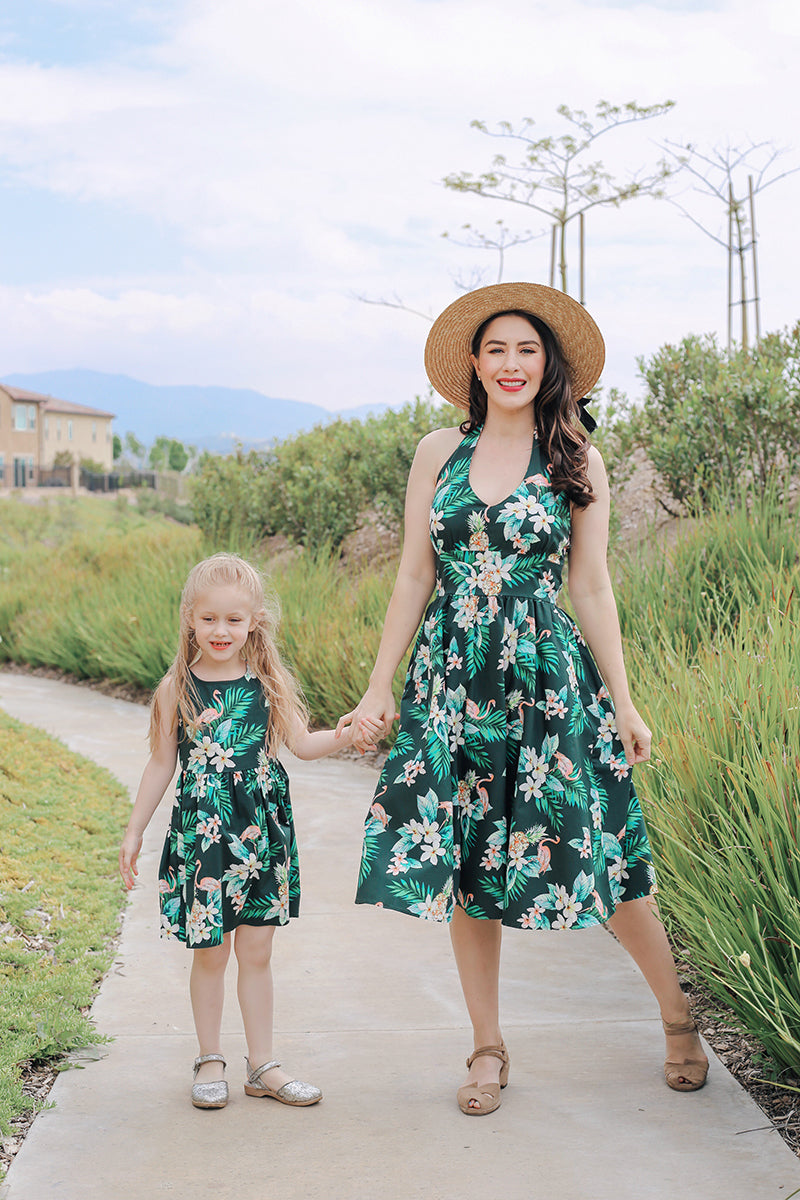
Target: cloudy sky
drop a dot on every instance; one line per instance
(199, 191)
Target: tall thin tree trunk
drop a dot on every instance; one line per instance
(553, 241)
(562, 263)
(730, 267)
(583, 247)
(740, 249)
(756, 297)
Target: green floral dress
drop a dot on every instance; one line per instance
(230, 855)
(507, 791)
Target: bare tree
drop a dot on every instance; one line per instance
(734, 175)
(499, 241)
(556, 177)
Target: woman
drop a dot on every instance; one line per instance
(507, 797)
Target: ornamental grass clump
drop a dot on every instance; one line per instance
(722, 795)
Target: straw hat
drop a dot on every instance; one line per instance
(449, 343)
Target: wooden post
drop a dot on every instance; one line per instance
(583, 245)
(756, 297)
(553, 258)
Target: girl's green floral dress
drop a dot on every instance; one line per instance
(507, 791)
(230, 856)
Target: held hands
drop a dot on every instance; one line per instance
(634, 735)
(370, 720)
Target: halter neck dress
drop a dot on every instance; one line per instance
(230, 854)
(507, 790)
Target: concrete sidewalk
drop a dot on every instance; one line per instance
(369, 1008)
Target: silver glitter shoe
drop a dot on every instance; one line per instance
(295, 1092)
(209, 1095)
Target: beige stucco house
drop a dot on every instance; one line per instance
(34, 428)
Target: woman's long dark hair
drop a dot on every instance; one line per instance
(555, 413)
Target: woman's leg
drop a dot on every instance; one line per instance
(253, 947)
(207, 991)
(476, 945)
(637, 926)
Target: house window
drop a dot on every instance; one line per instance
(69, 431)
(58, 429)
(2, 469)
(94, 431)
(47, 427)
(24, 417)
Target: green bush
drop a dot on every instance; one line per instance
(313, 487)
(713, 417)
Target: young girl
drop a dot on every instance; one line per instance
(229, 868)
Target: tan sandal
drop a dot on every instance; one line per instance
(687, 1076)
(295, 1092)
(480, 1091)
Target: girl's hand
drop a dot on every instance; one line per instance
(128, 854)
(375, 707)
(634, 735)
(366, 733)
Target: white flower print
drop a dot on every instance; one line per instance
(508, 653)
(398, 864)
(223, 758)
(554, 704)
(197, 757)
(466, 611)
(620, 767)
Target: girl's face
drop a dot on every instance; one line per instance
(222, 618)
(511, 362)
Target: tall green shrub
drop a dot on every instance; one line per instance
(713, 417)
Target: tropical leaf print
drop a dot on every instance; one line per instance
(230, 854)
(507, 786)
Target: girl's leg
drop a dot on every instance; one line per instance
(476, 945)
(637, 926)
(253, 947)
(207, 990)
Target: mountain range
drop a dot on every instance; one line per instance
(211, 418)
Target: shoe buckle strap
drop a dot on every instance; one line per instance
(255, 1075)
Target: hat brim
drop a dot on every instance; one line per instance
(449, 344)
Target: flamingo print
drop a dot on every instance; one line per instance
(483, 794)
(207, 884)
(543, 854)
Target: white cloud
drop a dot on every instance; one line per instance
(295, 153)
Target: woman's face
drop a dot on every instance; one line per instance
(511, 362)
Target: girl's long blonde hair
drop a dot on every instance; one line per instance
(286, 704)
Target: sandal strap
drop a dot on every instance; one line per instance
(254, 1076)
(676, 1027)
(486, 1051)
(204, 1058)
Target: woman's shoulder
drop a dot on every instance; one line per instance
(435, 447)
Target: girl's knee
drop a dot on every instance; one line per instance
(253, 945)
(213, 958)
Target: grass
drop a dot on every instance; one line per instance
(714, 660)
(60, 900)
(712, 630)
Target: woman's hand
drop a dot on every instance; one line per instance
(374, 711)
(634, 734)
